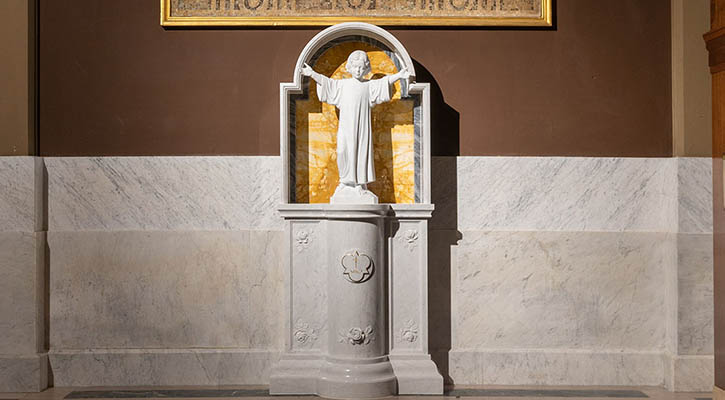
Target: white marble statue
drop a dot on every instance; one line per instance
(354, 97)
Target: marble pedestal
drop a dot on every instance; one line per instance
(356, 296)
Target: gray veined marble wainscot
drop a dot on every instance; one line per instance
(163, 193)
(23, 360)
(543, 270)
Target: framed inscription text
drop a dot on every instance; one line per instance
(379, 12)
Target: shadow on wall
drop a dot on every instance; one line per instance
(444, 120)
(443, 229)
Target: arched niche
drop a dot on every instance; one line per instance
(401, 133)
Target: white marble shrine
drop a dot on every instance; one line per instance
(356, 274)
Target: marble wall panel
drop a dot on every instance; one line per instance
(694, 184)
(407, 252)
(163, 193)
(264, 274)
(569, 257)
(309, 328)
(21, 292)
(496, 193)
(566, 194)
(19, 185)
(695, 294)
(578, 290)
(158, 367)
(165, 289)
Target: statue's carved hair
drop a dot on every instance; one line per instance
(359, 56)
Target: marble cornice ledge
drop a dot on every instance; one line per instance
(412, 211)
(324, 211)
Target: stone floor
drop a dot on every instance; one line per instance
(258, 392)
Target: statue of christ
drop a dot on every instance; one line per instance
(354, 97)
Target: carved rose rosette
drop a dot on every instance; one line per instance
(356, 336)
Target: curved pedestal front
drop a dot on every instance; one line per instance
(356, 365)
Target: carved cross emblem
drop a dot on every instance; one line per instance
(357, 267)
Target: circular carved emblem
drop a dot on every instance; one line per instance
(357, 267)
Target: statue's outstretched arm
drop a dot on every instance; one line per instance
(402, 74)
(308, 71)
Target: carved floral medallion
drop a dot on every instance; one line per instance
(304, 333)
(410, 239)
(356, 336)
(408, 333)
(303, 239)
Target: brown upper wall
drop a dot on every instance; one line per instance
(17, 76)
(114, 82)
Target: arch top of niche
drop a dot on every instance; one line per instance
(352, 29)
(418, 93)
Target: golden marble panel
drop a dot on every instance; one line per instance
(316, 173)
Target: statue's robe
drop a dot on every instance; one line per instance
(354, 132)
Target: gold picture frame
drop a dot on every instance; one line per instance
(167, 19)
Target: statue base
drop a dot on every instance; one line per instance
(353, 195)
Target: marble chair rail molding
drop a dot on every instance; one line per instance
(542, 270)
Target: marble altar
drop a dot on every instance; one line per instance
(355, 269)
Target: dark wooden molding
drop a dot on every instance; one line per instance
(715, 43)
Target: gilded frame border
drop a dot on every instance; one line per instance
(167, 20)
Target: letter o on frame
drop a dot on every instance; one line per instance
(249, 7)
(453, 4)
(355, 6)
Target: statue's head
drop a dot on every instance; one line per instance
(358, 64)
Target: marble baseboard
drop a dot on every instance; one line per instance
(295, 375)
(162, 367)
(23, 373)
(22, 292)
(163, 193)
(417, 376)
(580, 290)
(21, 190)
(689, 373)
(555, 367)
(144, 289)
